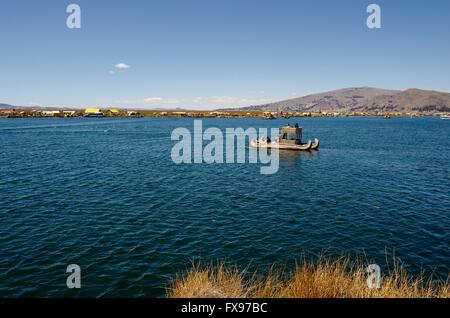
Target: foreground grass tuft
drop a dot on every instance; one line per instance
(324, 278)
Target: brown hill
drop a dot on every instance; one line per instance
(363, 99)
(411, 100)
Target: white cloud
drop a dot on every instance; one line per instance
(153, 99)
(122, 66)
(160, 100)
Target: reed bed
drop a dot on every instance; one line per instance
(322, 278)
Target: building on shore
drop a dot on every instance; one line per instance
(93, 112)
(69, 113)
(132, 113)
(179, 114)
(6, 112)
(50, 113)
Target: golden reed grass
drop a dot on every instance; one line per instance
(324, 278)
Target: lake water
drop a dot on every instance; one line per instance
(105, 194)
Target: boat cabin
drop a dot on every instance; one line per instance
(291, 135)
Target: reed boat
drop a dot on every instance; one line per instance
(290, 138)
(315, 145)
(270, 117)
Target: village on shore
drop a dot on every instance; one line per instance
(96, 112)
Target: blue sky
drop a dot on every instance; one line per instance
(216, 53)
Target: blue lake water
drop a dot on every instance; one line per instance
(105, 194)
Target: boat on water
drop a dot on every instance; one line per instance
(387, 116)
(290, 138)
(445, 117)
(270, 117)
(97, 115)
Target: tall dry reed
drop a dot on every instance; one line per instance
(323, 278)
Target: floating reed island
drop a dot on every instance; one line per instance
(324, 278)
(97, 112)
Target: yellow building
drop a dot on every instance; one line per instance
(92, 111)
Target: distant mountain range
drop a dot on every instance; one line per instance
(363, 99)
(6, 106)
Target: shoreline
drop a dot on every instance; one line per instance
(269, 115)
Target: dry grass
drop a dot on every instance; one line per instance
(324, 278)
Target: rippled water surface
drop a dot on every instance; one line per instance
(105, 194)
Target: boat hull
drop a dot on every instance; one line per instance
(276, 145)
(315, 145)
